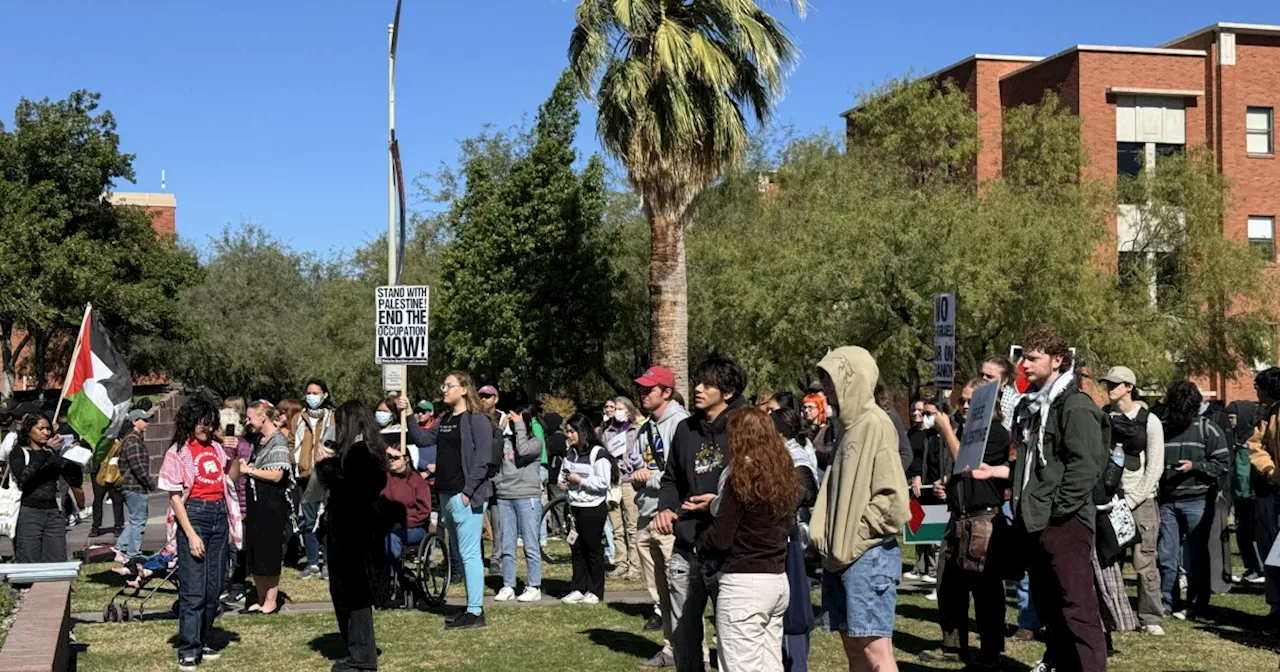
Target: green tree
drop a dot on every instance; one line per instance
(927, 127)
(525, 283)
(66, 245)
(675, 83)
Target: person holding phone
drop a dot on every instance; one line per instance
(267, 507)
(204, 521)
(38, 468)
(519, 490)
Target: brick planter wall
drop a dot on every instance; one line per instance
(39, 640)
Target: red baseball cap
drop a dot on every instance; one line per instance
(657, 376)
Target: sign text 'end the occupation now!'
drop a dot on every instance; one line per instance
(403, 319)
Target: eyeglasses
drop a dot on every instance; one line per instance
(448, 386)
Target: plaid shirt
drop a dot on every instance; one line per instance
(1009, 398)
(135, 464)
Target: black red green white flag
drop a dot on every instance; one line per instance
(99, 386)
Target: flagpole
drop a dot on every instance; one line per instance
(75, 355)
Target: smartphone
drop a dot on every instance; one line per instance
(229, 430)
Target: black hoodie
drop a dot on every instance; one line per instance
(699, 452)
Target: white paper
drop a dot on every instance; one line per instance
(78, 454)
(583, 470)
(1273, 558)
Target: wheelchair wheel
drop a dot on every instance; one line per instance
(433, 570)
(111, 613)
(556, 519)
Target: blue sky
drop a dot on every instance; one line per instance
(275, 112)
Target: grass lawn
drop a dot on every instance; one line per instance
(608, 637)
(97, 583)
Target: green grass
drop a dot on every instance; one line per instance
(609, 637)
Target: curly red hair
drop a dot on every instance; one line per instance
(763, 474)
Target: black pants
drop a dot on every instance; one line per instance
(954, 586)
(357, 631)
(100, 496)
(1266, 527)
(1063, 591)
(41, 536)
(588, 550)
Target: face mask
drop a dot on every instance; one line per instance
(314, 400)
(620, 415)
(928, 422)
(383, 417)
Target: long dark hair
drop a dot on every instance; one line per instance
(527, 416)
(197, 411)
(587, 437)
(355, 429)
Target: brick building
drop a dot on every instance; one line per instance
(162, 208)
(1218, 86)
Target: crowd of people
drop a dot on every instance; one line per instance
(743, 506)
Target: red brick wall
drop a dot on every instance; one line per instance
(164, 220)
(1027, 85)
(39, 639)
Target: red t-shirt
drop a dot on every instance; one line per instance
(208, 484)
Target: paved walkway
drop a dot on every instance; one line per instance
(615, 597)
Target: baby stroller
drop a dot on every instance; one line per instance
(150, 574)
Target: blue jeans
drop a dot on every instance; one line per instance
(130, 542)
(521, 518)
(200, 579)
(608, 539)
(1179, 518)
(466, 525)
(860, 600)
(307, 525)
(397, 539)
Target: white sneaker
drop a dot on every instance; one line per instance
(928, 579)
(911, 575)
(932, 596)
(530, 594)
(1153, 630)
(572, 598)
(505, 595)
(1180, 615)
(590, 598)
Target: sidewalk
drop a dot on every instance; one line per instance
(617, 597)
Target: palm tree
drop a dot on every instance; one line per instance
(675, 81)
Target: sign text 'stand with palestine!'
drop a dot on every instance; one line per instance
(403, 314)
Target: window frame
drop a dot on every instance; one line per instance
(1268, 132)
(1251, 240)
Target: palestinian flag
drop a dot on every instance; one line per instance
(98, 385)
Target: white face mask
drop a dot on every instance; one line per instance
(314, 401)
(928, 421)
(620, 415)
(383, 417)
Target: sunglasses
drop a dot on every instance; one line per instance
(486, 396)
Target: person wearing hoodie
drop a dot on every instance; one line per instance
(586, 473)
(1063, 439)
(519, 491)
(861, 508)
(698, 452)
(654, 549)
(1243, 416)
(1196, 455)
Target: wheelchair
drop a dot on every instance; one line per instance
(424, 572)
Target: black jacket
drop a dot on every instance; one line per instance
(1077, 440)
(699, 450)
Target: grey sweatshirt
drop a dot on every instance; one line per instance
(654, 444)
(523, 482)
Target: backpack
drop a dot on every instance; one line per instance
(109, 471)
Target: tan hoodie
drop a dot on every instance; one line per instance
(863, 498)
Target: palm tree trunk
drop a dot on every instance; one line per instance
(668, 293)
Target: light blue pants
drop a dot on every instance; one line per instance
(608, 535)
(466, 525)
(521, 518)
(130, 542)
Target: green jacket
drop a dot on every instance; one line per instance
(1076, 439)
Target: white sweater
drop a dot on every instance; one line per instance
(594, 487)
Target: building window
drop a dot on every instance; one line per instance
(1262, 237)
(1129, 158)
(1165, 150)
(1258, 130)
